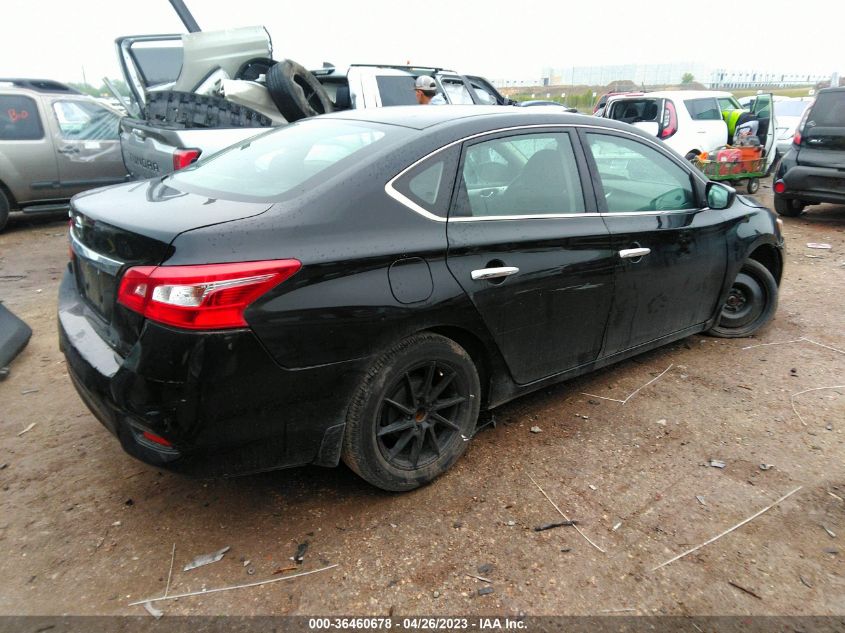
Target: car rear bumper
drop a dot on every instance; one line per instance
(815, 184)
(221, 401)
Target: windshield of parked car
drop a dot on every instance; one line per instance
(790, 108)
(282, 162)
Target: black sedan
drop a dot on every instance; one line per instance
(358, 286)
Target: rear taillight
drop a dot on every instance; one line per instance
(670, 120)
(779, 186)
(205, 297)
(184, 157)
(796, 140)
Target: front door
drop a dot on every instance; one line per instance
(528, 248)
(671, 255)
(87, 144)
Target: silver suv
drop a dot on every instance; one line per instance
(54, 143)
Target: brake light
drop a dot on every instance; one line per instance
(796, 140)
(205, 297)
(670, 120)
(184, 157)
(779, 186)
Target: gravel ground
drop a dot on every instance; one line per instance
(85, 529)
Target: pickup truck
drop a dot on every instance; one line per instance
(194, 94)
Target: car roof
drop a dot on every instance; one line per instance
(688, 94)
(482, 118)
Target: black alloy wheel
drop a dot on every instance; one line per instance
(413, 414)
(416, 422)
(751, 302)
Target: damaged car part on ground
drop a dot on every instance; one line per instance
(359, 286)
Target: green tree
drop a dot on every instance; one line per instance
(687, 78)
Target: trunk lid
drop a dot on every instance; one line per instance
(112, 232)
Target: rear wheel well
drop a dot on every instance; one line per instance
(477, 352)
(769, 257)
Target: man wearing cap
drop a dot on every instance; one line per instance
(426, 90)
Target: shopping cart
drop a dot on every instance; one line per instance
(749, 169)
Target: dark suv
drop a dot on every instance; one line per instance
(813, 171)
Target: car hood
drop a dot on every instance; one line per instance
(157, 210)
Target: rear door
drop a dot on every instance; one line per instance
(85, 135)
(527, 247)
(670, 255)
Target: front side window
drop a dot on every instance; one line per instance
(703, 109)
(279, 163)
(636, 177)
(19, 120)
(524, 174)
(456, 91)
(483, 94)
(85, 121)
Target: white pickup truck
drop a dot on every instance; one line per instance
(194, 94)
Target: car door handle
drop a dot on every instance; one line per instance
(68, 150)
(631, 253)
(494, 273)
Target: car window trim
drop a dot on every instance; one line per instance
(590, 175)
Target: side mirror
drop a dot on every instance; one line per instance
(719, 196)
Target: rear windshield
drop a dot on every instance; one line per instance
(790, 108)
(280, 164)
(829, 110)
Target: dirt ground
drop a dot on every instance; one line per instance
(85, 529)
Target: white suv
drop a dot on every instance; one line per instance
(688, 121)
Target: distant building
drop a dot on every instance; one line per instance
(646, 75)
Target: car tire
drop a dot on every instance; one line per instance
(296, 92)
(5, 208)
(788, 207)
(190, 110)
(751, 302)
(426, 389)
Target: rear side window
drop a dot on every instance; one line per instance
(829, 110)
(159, 62)
(429, 184)
(396, 90)
(703, 109)
(19, 120)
